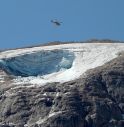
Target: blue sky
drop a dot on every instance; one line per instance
(27, 22)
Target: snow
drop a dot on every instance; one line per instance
(1, 78)
(77, 59)
(54, 114)
(40, 121)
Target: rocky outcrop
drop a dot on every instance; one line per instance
(93, 100)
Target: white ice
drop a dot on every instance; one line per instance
(40, 121)
(87, 56)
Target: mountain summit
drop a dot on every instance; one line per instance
(65, 85)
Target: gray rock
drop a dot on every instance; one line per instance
(96, 100)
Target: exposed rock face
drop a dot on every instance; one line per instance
(96, 100)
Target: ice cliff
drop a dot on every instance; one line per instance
(58, 63)
(39, 63)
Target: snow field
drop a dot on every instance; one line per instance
(87, 56)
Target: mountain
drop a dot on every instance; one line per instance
(65, 85)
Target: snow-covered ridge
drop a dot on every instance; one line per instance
(58, 63)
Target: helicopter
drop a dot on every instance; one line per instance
(57, 23)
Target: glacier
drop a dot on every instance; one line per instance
(56, 63)
(38, 63)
